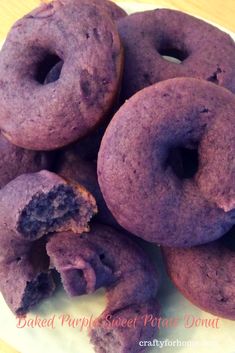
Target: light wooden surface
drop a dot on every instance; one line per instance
(217, 11)
(221, 12)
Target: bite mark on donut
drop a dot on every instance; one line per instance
(46, 212)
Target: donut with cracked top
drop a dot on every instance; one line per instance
(83, 38)
(142, 186)
(200, 50)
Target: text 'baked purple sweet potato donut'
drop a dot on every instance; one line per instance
(202, 50)
(81, 36)
(211, 282)
(31, 207)
(139, 162)
(107, 258)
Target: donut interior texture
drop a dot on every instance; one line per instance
(46, 212)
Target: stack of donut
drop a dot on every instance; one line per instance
(115, 127)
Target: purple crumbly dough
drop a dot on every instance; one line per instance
(25, 279)
(32, 206)
(141, 184)
(15, 161)
(82, 35)
(71, 167)
(107, 258)
(203, 50)
(210, 283)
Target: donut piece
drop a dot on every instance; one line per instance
(136, 166)
(210, 284)
(15, 161)
(25, 279)
(82, 35)
(107, 258)
(72, 167)
(202, 50)
(32, 206)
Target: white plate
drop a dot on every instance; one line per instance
(73, 340)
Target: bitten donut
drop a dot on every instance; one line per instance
(32, 206)
(211, 284)
(203, 51)
(107, 258)
(15, 161)
(72, 167)
(79, 34)
(141, 185)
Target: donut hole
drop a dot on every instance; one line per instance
(183, 161)
(228, 240)
(75, 282)
(45, 213)
(51, 65)
(39, 288)
(173, 54)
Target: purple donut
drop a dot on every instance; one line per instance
(137, 174)
(203, 50)
(82, 35)
(211, 283)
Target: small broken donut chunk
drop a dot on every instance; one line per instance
(72, 167)
(211, 283)
(25, 279)
(118, 339)
(138, 179)
(199, 50)
(107, 258)
(49, 116)
(33, 205)
(15, 161)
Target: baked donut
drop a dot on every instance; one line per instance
(107, 258)
(203, 51)
(211, 283)
(15, 161)
(82, 35)
(32, 206)
(71, 167)
(136, 167)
